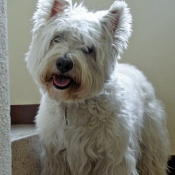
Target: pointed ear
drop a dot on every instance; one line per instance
(117, 23)
(117, 16)
(47, 9)
(59, 6)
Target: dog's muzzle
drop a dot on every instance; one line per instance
(62, 80)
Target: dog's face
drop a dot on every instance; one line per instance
(73, 51)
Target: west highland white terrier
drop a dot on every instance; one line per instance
(96, 117)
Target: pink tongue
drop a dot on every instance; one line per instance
(61, 81)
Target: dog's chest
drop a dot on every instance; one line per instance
(86, 115)
(83, 121)
(84, 128)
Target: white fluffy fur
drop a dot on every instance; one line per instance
(107, 123)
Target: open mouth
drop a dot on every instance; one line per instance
(61, 81)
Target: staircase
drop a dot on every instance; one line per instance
(26, 150)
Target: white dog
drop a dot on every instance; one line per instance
(96, 117)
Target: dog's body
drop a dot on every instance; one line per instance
(96, 117)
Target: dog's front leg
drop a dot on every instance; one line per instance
(117, 156)
(54, 164)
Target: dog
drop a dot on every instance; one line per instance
(96, 117)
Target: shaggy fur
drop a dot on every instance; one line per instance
(96, 117)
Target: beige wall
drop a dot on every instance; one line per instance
(22, 88)
(151, 49)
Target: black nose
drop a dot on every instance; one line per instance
(64, 64)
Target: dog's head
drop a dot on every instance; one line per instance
(73, 51)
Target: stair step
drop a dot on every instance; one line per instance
(26, 150)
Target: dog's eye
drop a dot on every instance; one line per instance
(87, 50)
(58, 39)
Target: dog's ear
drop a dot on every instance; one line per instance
(59, 6)
(47, 9)
(117, 23)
